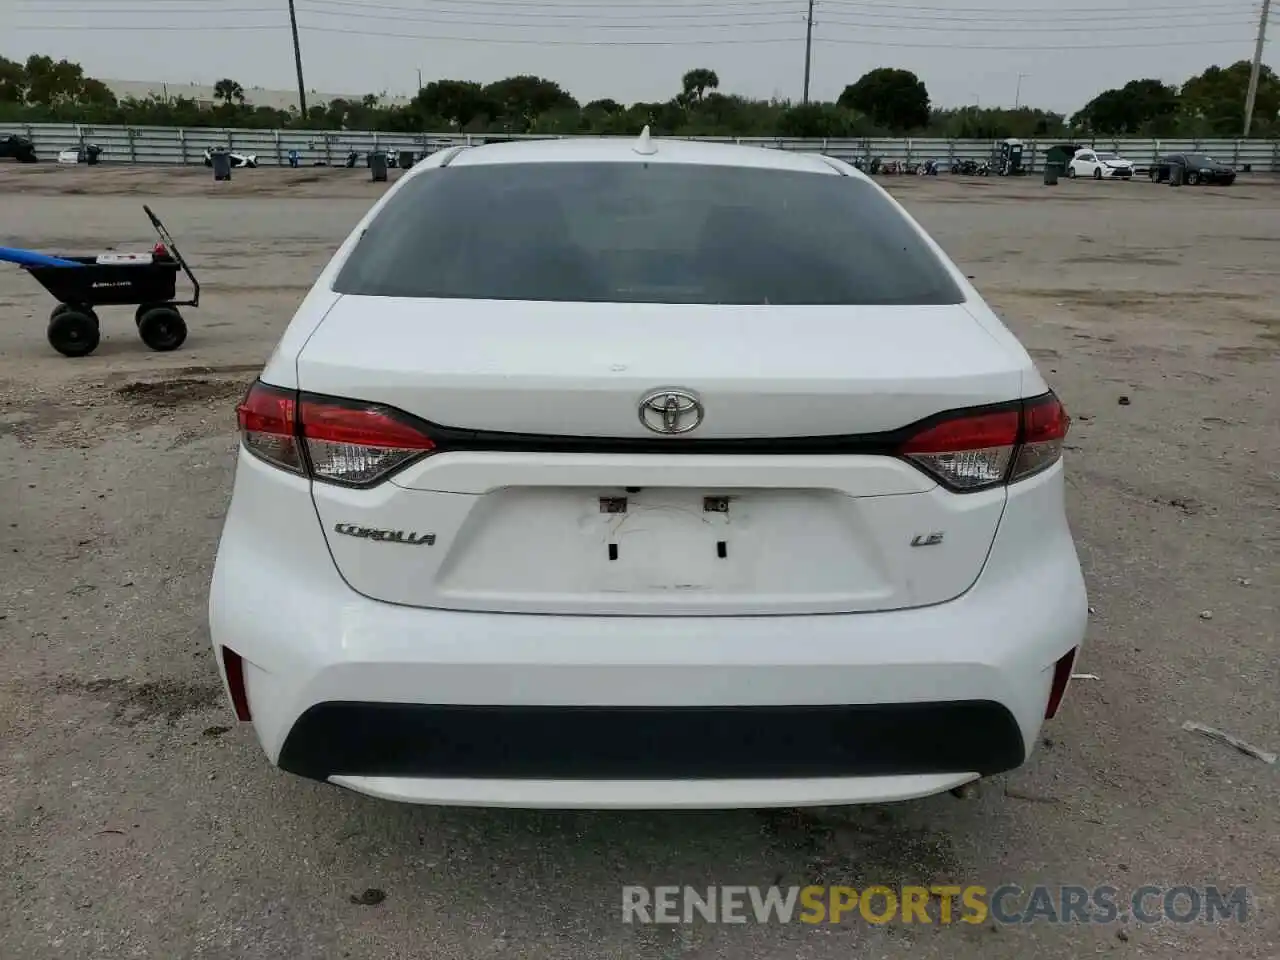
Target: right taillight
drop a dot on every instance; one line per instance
(979, 449)
(343, 442)
(1044, 427)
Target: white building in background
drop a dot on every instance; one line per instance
(254, 96)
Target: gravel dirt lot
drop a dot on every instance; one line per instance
(136, 821)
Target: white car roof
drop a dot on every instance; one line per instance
(623, 150)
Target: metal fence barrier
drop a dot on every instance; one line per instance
(172, 145)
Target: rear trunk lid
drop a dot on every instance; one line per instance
(561, 500)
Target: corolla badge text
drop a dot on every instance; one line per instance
(385, 536)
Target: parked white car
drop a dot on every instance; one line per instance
(1099, 165)
(88, 153)
(238, 160)
(687, 475)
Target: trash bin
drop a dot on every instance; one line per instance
(91, 154)
(378, 166)
(295, 159)
(1176, 174)
(1051, 173)
(220, 160)
(406, 159)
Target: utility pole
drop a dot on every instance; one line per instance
(419, 79)
(808, 50)
(1252, 95)
(1017, 97)
(297, 59)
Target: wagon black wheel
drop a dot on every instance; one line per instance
(162, 328)
(74, 334)
(62, 308)
(146, 308)
(1192, 179)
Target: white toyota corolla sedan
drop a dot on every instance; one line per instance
(636, 473)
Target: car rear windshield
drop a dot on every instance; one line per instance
(630, 232)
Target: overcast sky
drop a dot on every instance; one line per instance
(966, 51)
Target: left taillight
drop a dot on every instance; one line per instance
(977, 449)
(332, 440)
(268, 426)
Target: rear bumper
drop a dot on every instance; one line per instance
(882, 690)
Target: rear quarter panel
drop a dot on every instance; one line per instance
(1032, 383)
(281, 368)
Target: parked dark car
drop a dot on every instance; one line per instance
(1196, 168)
(19, 148)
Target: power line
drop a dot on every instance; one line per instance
(538, 41)
(724, 8)
(152, 27)
(682, 40)
(1023, 46)
(719, 11)
(541, 20)
(930, 28)
(150, 11)
(469, 9)
(1054, 16)
(602, 19)
(744, 40)
(312, 28)
(607, 23)
(181, 6)
(998, 12)
(533, 25)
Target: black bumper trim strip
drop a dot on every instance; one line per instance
(651, 743)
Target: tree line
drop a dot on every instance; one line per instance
(883, 102)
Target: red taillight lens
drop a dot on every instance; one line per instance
(967, 452)
(974, 451)
(1061, 678)
(357, 444)
(268, 417)
(337, 441)
(1044, 427)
